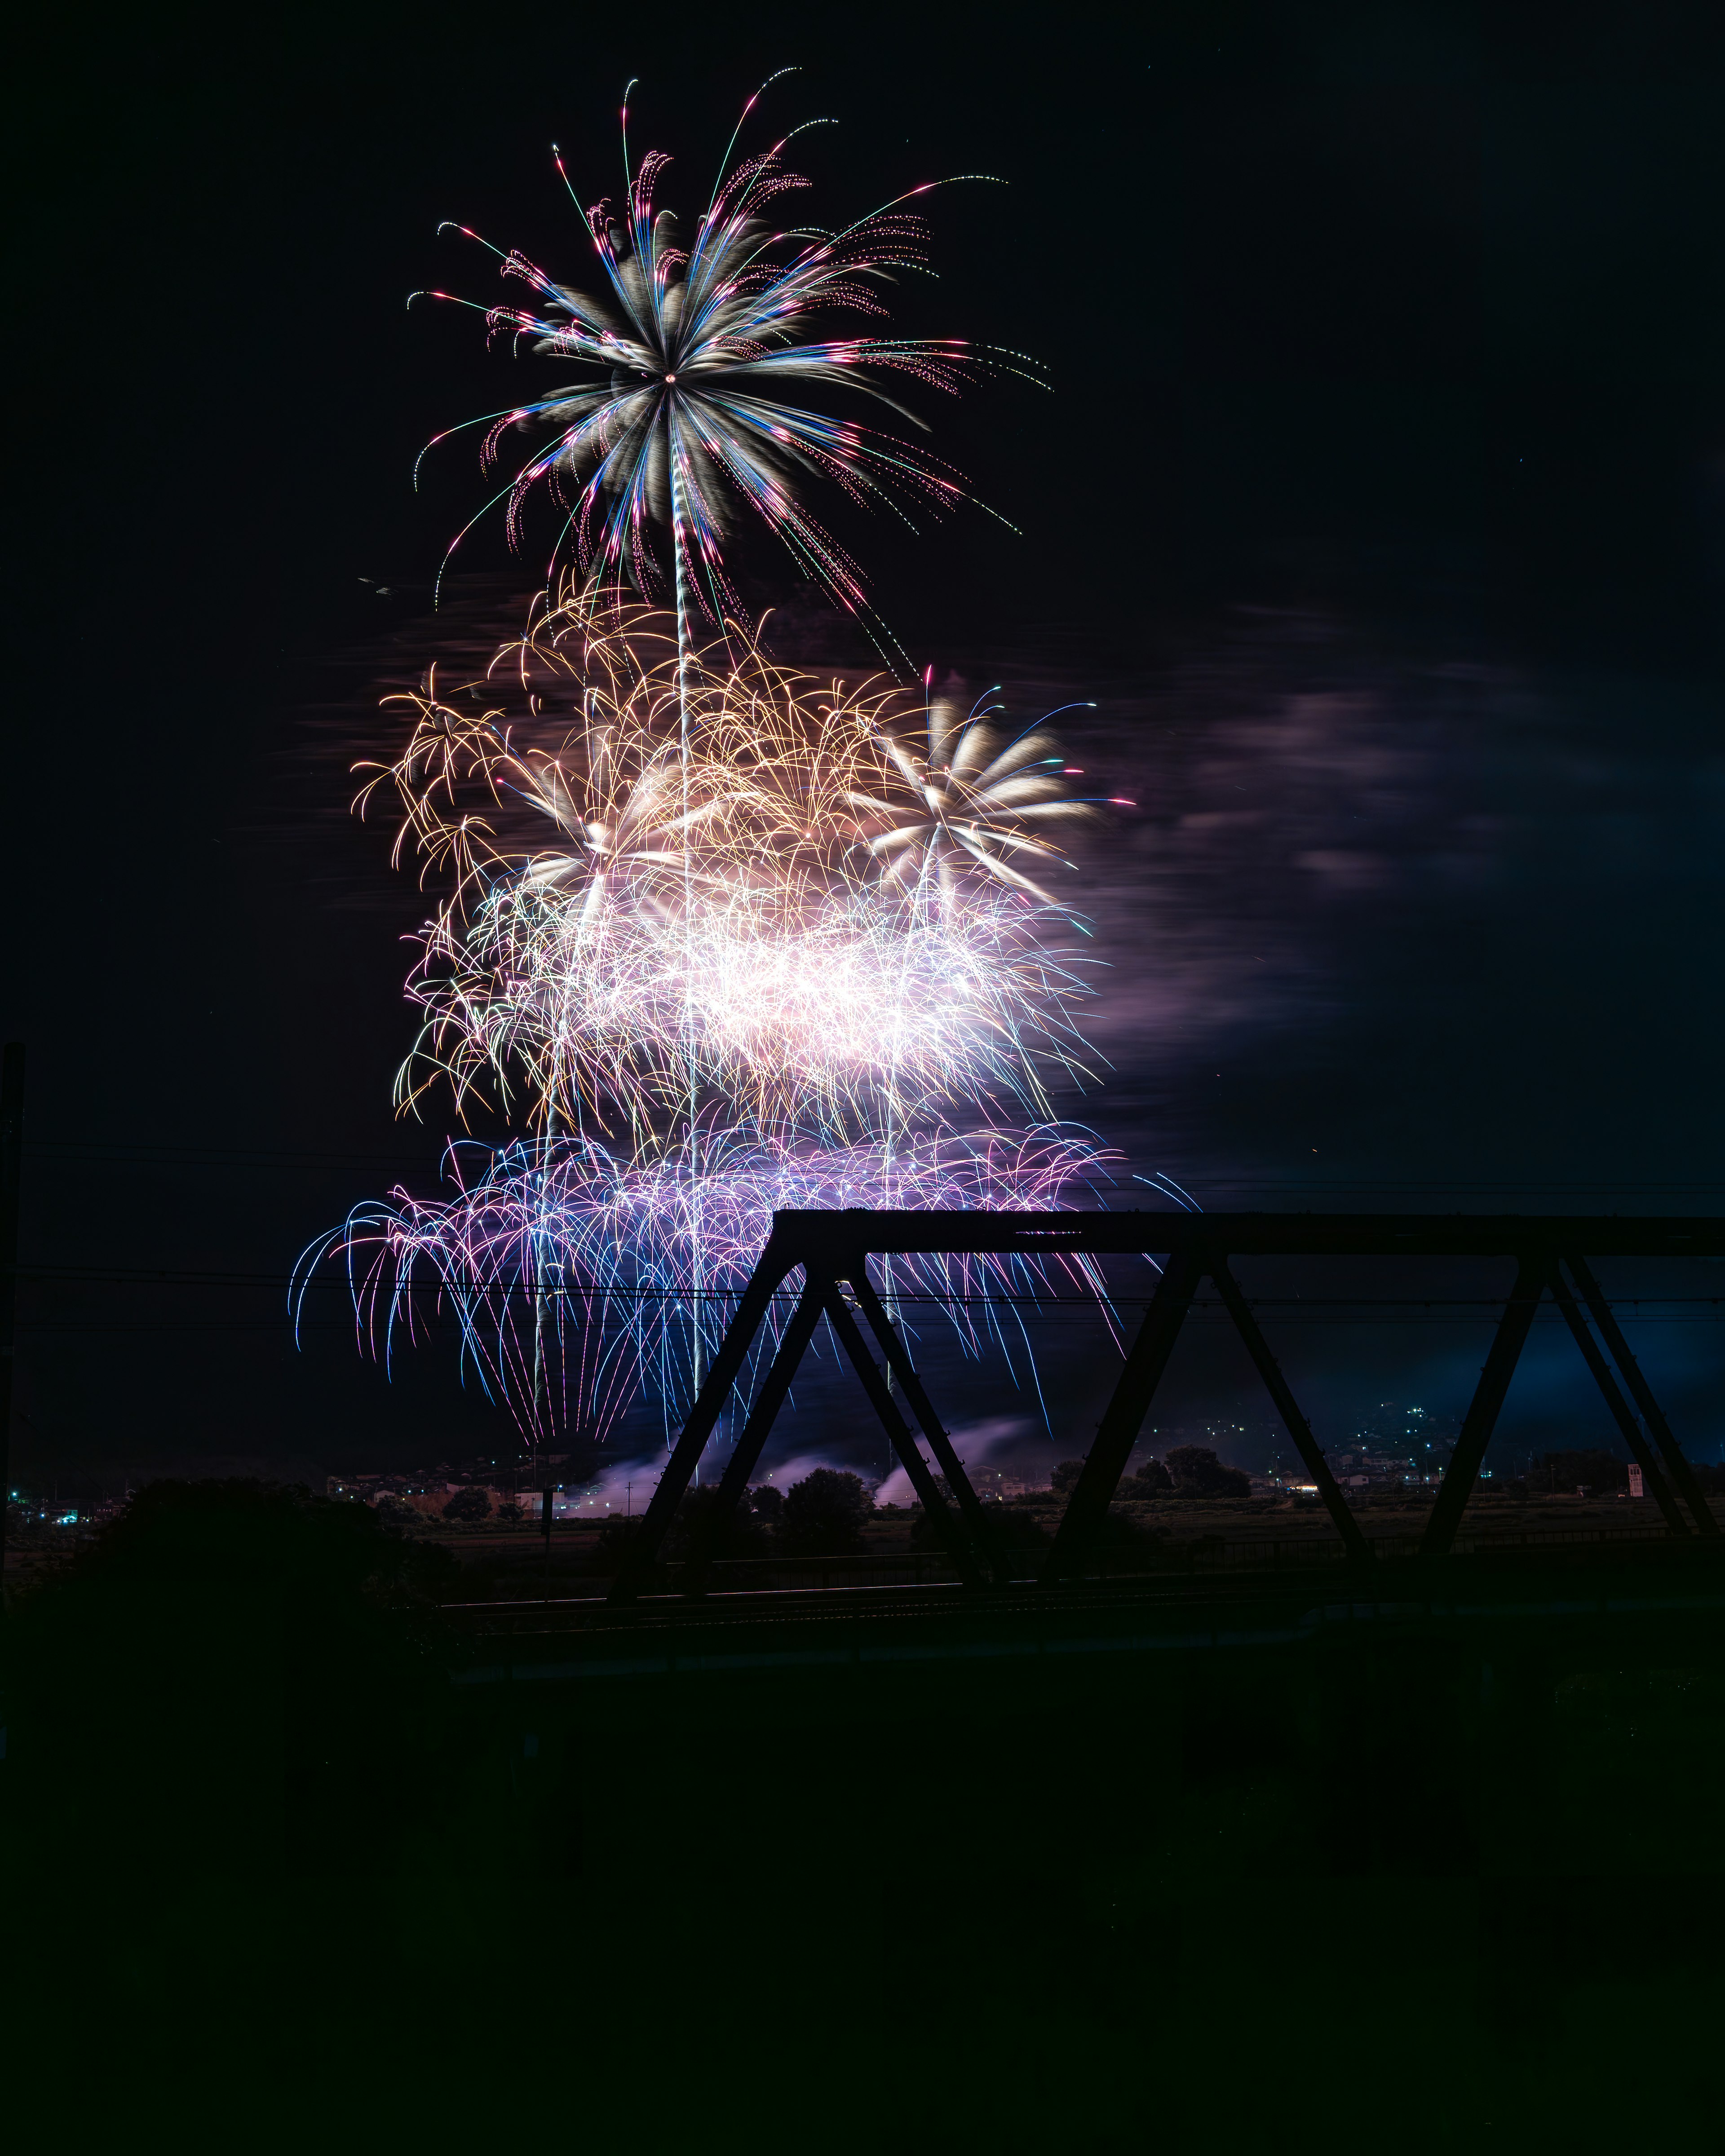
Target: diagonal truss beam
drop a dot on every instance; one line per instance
(642, 1553)
(746, 1452)
(940, 1443)
(831, 1247)
(1117, 1432)
(1288, 1407)
(1612, 1333)
(904, 1444)
(1621, 1411)
(1482, 1419)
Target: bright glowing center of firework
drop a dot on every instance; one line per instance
(671, 378)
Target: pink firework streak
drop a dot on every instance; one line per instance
(578, 1280)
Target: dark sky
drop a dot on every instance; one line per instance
(1380, 506)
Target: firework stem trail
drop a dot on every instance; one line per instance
(679, 545)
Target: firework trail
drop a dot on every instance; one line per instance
(628, 1256)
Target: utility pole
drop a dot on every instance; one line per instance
(12, 1168)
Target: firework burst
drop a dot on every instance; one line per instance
(975, 801)
(693, 367)
(620, 918)
(575, 1276)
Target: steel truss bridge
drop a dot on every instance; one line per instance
(831, 1251)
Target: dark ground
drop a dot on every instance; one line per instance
(1194, 1865)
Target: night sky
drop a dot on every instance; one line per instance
(1380, 507)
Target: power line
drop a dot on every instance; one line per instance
(424, 1323)
(593, 1290)
(172, 1153)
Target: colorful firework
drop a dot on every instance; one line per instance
(722, 928)
(696, 369)
(977, 800)
(735, 940)
(577, 1278)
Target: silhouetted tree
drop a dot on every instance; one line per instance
(1123, 1544)
(1017, 1531)
(260, 1669)
(1152, 1479)
(767, 1503)
(1014, 1531)
(1065, 1475)
(743, 1534)
(469, 1504)
(1198, 1473)
(613, 1539)
(824, 1513)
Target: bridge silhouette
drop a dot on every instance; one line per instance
(831, 1250)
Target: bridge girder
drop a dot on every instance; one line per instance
(832, 1250)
